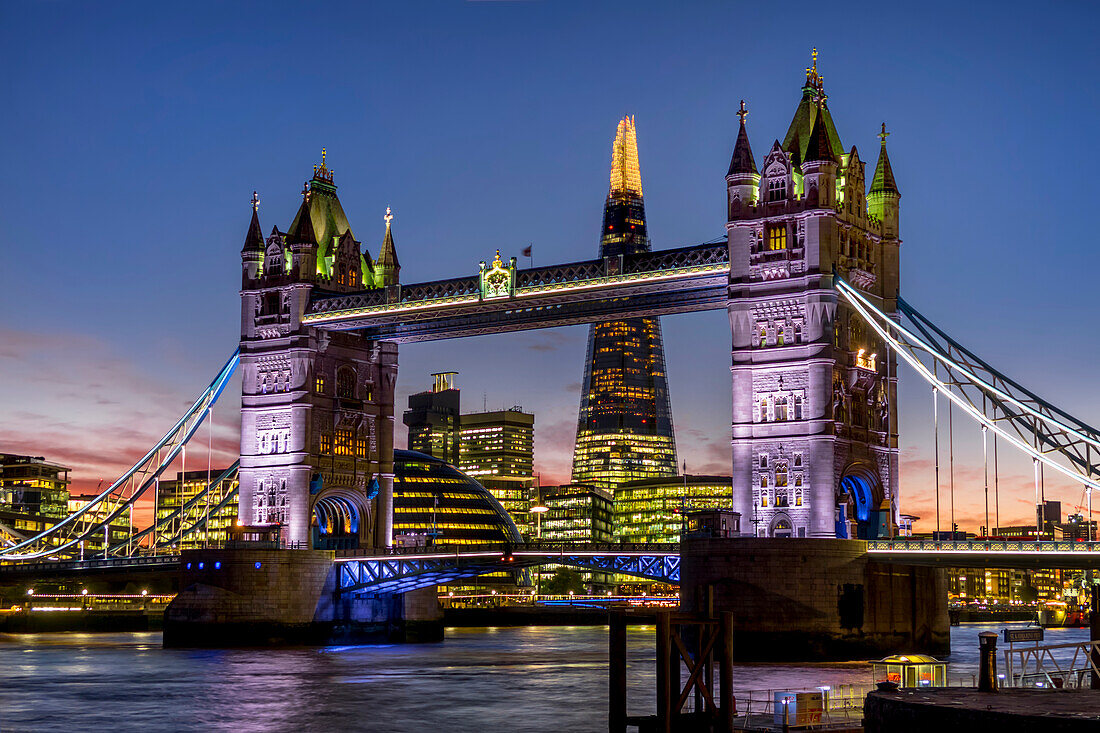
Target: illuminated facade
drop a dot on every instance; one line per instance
(624, 430)
(577, 514)
(118, 531)
(33, 485)
(433, 419)
(497, 449)
(815, 451)
(654, 510)
(205, 520)
(435, 503)
(316, 406)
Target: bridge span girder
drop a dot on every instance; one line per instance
(387, 574)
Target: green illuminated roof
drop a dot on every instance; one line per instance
(254, 240)
(884, 175)
(818, 147)
(742, 161)
(797, 139)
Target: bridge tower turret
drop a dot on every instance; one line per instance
(814, 393)
(316, 407)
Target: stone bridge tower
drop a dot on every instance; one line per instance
(316, 406)
(815, 450)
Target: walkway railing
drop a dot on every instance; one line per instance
(972, 546)
(1051, 666)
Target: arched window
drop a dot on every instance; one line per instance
(345, 383)
(798, 333)
(780, 408)
(798, 494)
(798, 407)
(780, 335)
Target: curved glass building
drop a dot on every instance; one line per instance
(435, 503)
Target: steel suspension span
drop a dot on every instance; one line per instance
(1050, 435)
(96, 517)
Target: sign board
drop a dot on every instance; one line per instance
(1014, 636)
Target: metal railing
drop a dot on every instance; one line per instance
(1039, 667)
(1001, 545)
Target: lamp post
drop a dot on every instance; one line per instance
(538, 511)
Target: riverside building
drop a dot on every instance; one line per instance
(189, 522)
(654, 510)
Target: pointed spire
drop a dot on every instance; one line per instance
(884, 175)
(742, 160)
(818, 147)
(626, 177)
(387, 257)
(301, 229)
(254, 240)
(814, 79)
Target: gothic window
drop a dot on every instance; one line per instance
(780, 497)
(780, 408)
(777, 236)
(781, 473)
(344, 441)
(798, 407)
(326, 443)
(763, 482)
(777, 188)
(798, 496)
(763, 335)
(798, 460)
(780, 335)
(798, 479)
(763, 460)
(345, 383)
(798, 333)
(763, 498)
(361, 447)
(319, 384)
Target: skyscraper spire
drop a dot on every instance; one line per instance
(626, 177)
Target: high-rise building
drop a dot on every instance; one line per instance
(497, 449)
(119, 529)
(433, 419)
(196, 522)
(32, 485)
(624, 431)
(815, 425)
(576, 514)
(654, 510)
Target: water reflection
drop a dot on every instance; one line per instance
(482, 680)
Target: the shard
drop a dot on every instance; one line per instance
(624, 431)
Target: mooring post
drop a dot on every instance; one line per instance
(616, 672)
(725, 671)
(1094, 636)
(664, 683)
(987, 673)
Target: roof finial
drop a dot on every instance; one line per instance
(388, 217)
(883, 135)
(255, 201)
(742, 113)
(323, 150)
(814, 79)
(305, 192)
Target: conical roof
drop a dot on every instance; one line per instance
(301, 229)
(387, 257)
(742, 160)
(883, 180)
(818, 147)
(254, 240)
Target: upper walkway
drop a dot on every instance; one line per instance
(999, 553)
(678, 280)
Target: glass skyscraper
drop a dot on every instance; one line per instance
(624, 432)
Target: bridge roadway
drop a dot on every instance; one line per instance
(680, 280)
(399, 569)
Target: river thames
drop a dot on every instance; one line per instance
(490, 679)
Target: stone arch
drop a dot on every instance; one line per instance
(339, 520)
(859, 496)
(781, 526)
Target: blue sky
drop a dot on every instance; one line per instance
(134, 134)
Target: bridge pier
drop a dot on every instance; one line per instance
(816, 599)
(286, 597)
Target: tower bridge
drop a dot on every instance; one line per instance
(808, 272)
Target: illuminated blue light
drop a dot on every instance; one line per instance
(218, 565)
(188, 566)
(257, 566)
(200, 566)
